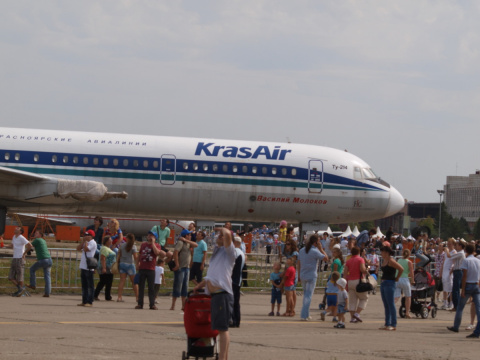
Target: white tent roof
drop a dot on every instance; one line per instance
(378, 234)
(347, 232)
(329, 231)
(355, 231)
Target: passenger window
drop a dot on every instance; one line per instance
(7, 156)
(85, 160)
(65, 159)
(145, 163)
(284, 171)
(235, 168)
(264, 170)
(225, 168)
(135, 163)
(254, 169)
(195, 166)
(75, 159)
(244, 169)
(125, 162)
(36, 157)
(17, 156)
(274, 171)
(205, 167)
(105, 161)
(155, 164)
(115, 162)
(185, 166)
(215, 167)
(95, 161)
(54, 158)
(294, 172)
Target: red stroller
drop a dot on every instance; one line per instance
(201, 339)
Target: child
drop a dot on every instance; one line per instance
(331, 291)
(342, 303)
(289, 283)
(159, 278)
(276, 281)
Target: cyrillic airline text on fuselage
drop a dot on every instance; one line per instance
(210, 149)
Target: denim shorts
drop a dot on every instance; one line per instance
(276, 296)
(331, 299)
(403, 285)
(290, 288)
(221, 308)
(341, 309)
(125, 268)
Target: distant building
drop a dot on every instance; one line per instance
(462, 197)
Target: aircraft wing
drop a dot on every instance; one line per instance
(17, 185)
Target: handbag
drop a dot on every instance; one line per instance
(92, 263)
(372, 281)
(114, 268)
(364, 286)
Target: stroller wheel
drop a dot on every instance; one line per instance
(402, 311)
(434, 312)
(424, 312)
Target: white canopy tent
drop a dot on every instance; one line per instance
(355, 231)
(347, 232)
(379, 234)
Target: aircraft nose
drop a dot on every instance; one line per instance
(396, 203)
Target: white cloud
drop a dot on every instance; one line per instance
(393, 82)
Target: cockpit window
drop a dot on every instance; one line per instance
(368, 174)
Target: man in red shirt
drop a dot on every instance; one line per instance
(146, 261)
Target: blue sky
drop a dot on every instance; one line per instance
(396, 83)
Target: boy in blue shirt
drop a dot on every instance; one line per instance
(276, 280)
(331, 291)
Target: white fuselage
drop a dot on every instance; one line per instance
(198, 178)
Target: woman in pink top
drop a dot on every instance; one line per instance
(354, 268)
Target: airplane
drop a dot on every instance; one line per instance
(144, 176)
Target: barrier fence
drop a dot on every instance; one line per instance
(65, 273)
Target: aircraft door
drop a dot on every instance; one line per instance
(315, 176)
(168, 169)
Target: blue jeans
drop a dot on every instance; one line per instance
(46, 265)
(473, 291)
(457, 284)
(308, 288)
(87, 286)
(387, 289)
(180, 282)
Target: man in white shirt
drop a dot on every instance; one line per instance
(88, 247)
(218, 283)
(469, 288)
(237, 276)
(17, 269)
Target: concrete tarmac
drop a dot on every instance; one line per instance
(56, 328)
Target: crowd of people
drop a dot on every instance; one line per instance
(353, 264)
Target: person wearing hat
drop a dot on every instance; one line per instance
(146, 262)
(182, 255)
(88, 247)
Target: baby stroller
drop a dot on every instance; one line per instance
(423, 296)
(201, 339)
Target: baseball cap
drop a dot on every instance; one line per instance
(342, 282)
(185, 232)
(237, 239)
(154, 234)
(89, 233)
